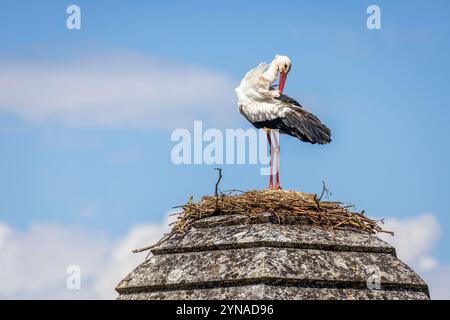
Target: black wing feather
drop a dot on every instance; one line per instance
(298, 123)
(306, 126)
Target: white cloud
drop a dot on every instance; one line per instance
(427, 263)
(5, 231)
(414, 239)
(123, 261)
(121, 91)
(34, 263)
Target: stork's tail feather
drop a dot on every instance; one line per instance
(307, 127)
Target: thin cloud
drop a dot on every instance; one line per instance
(34, 262)
(415, 239)
(120, 91)
(123, 261)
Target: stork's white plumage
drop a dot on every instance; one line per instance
(268, 108)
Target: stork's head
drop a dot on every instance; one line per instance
(283, 64)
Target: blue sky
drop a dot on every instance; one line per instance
(384, 93)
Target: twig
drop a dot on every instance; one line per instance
(152, 246)
(233, 190)
(216, 190)
(324, 191)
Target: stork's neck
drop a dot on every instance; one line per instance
(272, 72)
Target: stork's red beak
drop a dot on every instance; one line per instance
(282, 80)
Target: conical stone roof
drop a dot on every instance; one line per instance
(232, 257)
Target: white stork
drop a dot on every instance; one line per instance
(269, 109)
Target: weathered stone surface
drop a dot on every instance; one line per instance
(271, 292)
(268, 235)
(251, 265)
(233, 257)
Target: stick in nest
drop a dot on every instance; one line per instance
(216, 189)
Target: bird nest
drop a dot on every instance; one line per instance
(285, 205)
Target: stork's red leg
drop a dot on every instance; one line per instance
(277, 159)
(277, 186)
(269, 140)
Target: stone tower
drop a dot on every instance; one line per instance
(232, 257)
